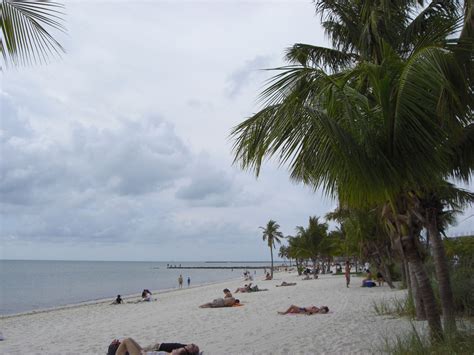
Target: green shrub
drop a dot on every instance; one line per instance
(462, 283)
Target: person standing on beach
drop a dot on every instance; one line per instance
(189, 281)
(180, 281)
(347, 273)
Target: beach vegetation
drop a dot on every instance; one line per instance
(416, 343)
(359, 121)
(461, 252)
(396, 306)
(272, 235)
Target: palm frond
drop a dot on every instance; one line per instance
(25, 37)
(319, 57)
(439, 14)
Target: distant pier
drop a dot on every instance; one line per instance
(217, 267)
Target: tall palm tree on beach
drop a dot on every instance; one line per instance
(361, 119)
(272, 235)
(26, 31)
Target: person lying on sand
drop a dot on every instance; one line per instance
(305, 310)
(227, 301)
(221, 302)
(243, 289)
(131, 347)
(284, 283)
(249, 288)
(268, 276)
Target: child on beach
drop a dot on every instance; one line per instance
(180, 281)
(118, 300)
(146, 295)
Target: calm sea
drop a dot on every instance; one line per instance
(32, 285)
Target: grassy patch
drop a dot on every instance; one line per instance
(460, 342)
(395, 307)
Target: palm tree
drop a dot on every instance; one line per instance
(295, 251)
(272, 235)
(365, 236)
(312, 240)
(25, 37)
(283, 252)
(439, 207)
(362, 129)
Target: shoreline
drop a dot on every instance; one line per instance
(351, 326)
(129, 297)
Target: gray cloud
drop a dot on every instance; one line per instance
(243, 77)
(120, 151)
(208, 185)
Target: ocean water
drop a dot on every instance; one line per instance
(33, 285)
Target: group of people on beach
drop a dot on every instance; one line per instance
(181, 280)
(146, 297)
(368, 280)
(131, 347)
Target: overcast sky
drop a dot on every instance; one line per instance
(120, 150)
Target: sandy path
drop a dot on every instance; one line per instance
(256, 328)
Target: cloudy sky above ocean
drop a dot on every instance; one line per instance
(120, 150)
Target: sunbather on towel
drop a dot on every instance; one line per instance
(250, 288)
(221, 302)
(130, 346)
(246, 288)
(305, 310)
(284, 283)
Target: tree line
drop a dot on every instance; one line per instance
(381, 121)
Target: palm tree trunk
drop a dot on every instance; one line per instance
(405, 276)
(415, 295)
(271, 254)
(298, 266)
(387, 275)
(424, 286)
(442, 273)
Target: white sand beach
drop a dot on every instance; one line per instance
(351, 326)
